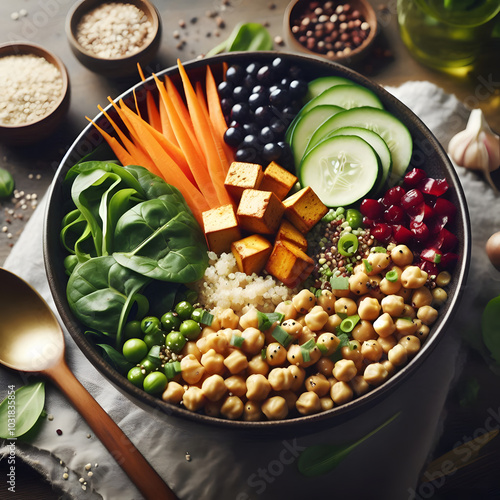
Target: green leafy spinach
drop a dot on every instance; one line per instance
(6, 184)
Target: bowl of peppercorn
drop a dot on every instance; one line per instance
(338, 31)
(34, 93)
(112, 38)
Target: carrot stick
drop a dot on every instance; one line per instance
(204, 134)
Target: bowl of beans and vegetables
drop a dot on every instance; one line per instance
(303, 270)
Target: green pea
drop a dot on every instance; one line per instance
(155, 382)
(170, 321)
(150, 324)
(184, 309)
(136, 376)
(149, 365)
(175, 341)
(156, 338)
(132, 329)
(196, 314)
(354, 218)
(190, 329)
(134, 350)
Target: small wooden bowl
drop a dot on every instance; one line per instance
(37, 130)
(297, 8)
(113, 67)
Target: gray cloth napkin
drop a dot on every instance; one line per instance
(227, 465)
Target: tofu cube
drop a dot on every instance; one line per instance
(241, 176)
(289, 264)
(278, 180)
(304, 209)
(221, 228)
(259, 211)
(288, 232)
(251, 253)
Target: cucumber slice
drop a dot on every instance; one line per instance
(319, 85)
(393, 132)
(306, 126)
(345, 96)
(341, 170)
(377, 143)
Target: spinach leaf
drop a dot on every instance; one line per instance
(156, 240)
(116, 359)
(245, 36)
(6, 183)
(28, 401)
(490, 325)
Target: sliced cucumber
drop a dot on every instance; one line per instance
(306, 125)
(319, 85)
(377, 143)
(345, 96)
(341, 170)
(393, 131)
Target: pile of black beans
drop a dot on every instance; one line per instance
(259, 102)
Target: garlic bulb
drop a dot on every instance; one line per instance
(477, 147)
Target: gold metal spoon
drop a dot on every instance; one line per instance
(31, 340)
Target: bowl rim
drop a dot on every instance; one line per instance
(302, 424)
(82, 7)
(27, 48)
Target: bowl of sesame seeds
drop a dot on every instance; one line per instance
(34, 93)
(339, 31)
(111, 38)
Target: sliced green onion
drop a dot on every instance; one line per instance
(349, 323)
(339, 282)
(392, 275)
(206, 318)
(379, 250)
(407, 318)
(344, 340)
(266, 320)
(306, 349)
(236, 340)
(263, 354)
(281, 336)
(437, 258)
(322, 348)
(172, 369)
(368, 266)
(348, 244)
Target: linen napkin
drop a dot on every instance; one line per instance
(208, 463)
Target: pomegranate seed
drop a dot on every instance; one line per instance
(431, 255)
(381, 231)
(394, 215)
(445, 207)
(420, 230)
(435, 187)
(429, 267)
(371, 208)
(448, 260)
(368, 222)
(412, 178)
(393, 196)
(411, 199)
(449, 240)
(421, 213)
(437, 224)
(402, 234)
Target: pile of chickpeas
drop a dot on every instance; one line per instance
(258, 378)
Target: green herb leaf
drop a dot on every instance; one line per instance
(282, 336)
(490, 326)
(20, 410)
(368, 266)
(116, 359)
(245, 37)
(266, 320)
(237, 340)
(6, 183)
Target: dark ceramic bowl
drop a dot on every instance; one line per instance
(115, 67)
(40, 129)
(427, 154)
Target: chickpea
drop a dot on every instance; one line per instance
(405, 326)
(371, 350)
(327, 301)
(304, 301)
(298, 376)
(326, 403)
(341, 393)
(207, 330)
(330, 341)
(334, 320)
(387, 343)
(391, 369)
(306, 335)
(292, 327)
(254, 340)
(258, 365)
(344, 370)
(401, 255)
(427, 314)
(252, 411)
(319, 384)
(173, 393)
(316, 318)
(236, 362)
(422, 332)
(258, 387)
(384, 325)
(228, 319)
(287, 308)
(192, 370)
(232, 408)
(389, 287)
(290, 397)
(308, 403)
(193, 398)
(411, 344)
(363, 331)
(353, 352)
(280, 379)
(443, 278)
(341, 293)
(236, 385)
(275, 408)
(439, 296)
(217, 341)
(275, 354)
(398, 355)
(413, 277)
(393, 305)
(375, 291)
(405, 293)
(359, 283)
(191, 348)
(378, 262)
(359, 385)
(213, 362)
(250, 319)
(409, 312)
(345, 305)
(212, 408)
(294, 356)
(375, 374)
(213, 387)
(325, 366)
(421, 297)
(369, 308)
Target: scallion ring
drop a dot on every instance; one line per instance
(392, 276)
(348, 245)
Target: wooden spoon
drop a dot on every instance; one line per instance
(31, 340)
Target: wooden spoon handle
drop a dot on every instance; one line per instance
(147, 480)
